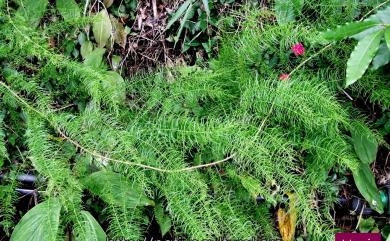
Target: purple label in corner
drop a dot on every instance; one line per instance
(358, 237)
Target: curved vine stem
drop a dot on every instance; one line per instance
(98, 155)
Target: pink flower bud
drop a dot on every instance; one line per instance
(298, 49)
(284, 76)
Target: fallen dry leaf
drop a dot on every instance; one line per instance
(287, 220)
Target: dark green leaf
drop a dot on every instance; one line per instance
(361, 57)
(348, 30)
(93, 230)
(68, 9)
(39, 223)
(32, 11)
(178, 13)
(386, 232)
(365, 182)
(116, 189)
(163, 220)
(365, 144)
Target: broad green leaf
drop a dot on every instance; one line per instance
(348, 30)
(178, 13)
(251, 185)
(102, 28)
(382, 57)
(163, 220)
(387, 37)
(206, 6)
(32, 11)
(367, 32)
(92, 229)
(361, 57)
(39, 223)
(365, 182)
(382, 16)
(284, 10)
(95, 58)
(115, 189)
(86, 48)
(68, 9)
(365, 144)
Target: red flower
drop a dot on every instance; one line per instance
(284, 76)
(298, 49)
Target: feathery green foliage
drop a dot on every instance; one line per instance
(146, 131)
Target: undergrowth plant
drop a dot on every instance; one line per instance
(189, 148)
(373, 46)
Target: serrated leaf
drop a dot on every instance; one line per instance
(68, 9)
(382, 57)
(206, 7)
(115, 189)
(32, 11)
(39, 223)
(361, 57)
(163, 220)
(92, 229)
(348, 30)
(95, 58)
(284, 10)
(180, 11)
(86, 49)
(365, 182)
(102, 28)
(387, 37)
(365, 144)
